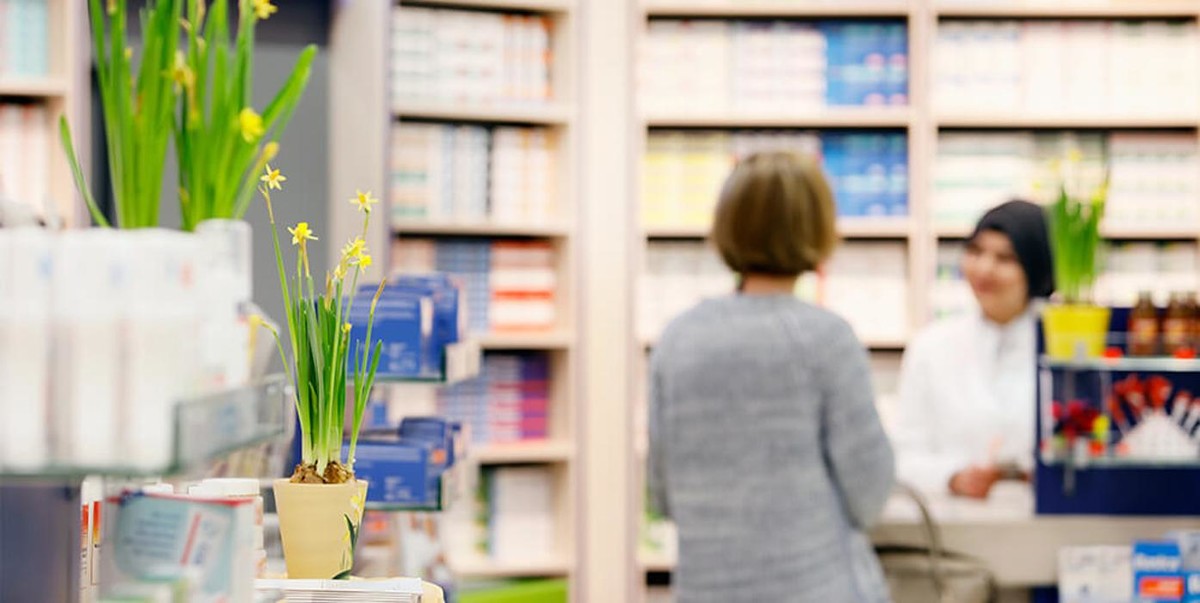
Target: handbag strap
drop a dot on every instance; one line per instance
(933, 536)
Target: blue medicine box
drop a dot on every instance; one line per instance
(449, 309)
(1157, 572)
(397, 472)
(416, 318)
(438, 432)
(403, 320)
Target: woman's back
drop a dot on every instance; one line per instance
(768, 453)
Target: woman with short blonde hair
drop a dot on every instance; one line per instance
(766, 448)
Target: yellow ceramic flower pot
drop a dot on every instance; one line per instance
(319, 526)
(1075, 331)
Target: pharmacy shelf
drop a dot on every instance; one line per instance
(532, 340)
(776, 8)
(1064, 121)
(481, 229)
(550, 114)
(831, 117)
(849, 228)
(536, 6)
(1117, 461)
(205, 428)
(48, 87)
(1075, 9)
(1155, 364)
(524, 452)
(483, 567)
(1112, 233)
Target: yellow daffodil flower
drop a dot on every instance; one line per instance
(346, 328)
(251, 124)
(181, 73)
(270, 150)
(364, 201)
(354, 248)
(364, 261)
(273, 178)
(264, 9)
(301, 233)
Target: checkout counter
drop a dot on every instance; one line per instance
(1020, 547)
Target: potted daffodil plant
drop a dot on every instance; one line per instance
(321, 505)
(1074, 325)
(190, 83)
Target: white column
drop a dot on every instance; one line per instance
(608, 521)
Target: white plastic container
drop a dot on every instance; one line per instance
(88, 284)
(26, 270)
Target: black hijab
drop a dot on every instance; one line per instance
(1024, 224)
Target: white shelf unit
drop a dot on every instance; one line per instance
(549, 114)
(1084, 121)
(63, 91)
(33, 87)
(539, 6)
(834, 117)
(481, 229)
(775, 8)
(549, 451)
(1070, 9)
(363, 113)
(920, 120)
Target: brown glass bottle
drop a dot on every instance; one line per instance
(1143, 326)
(1177, 325)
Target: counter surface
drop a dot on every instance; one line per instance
(1021, 548)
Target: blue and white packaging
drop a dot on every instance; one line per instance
(449, 304)
(438, 432)
(404, 323)
(416, 318)
(397, 472)
(1189, 552)
(1157, 572)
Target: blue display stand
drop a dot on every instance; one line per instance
(1113, 486)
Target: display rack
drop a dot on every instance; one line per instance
(40, 522)
(363, 111)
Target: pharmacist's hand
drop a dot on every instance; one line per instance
(974, 482)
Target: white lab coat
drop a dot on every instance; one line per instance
(967, 397)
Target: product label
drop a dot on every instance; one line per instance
(1157, 572)
(1160, 587)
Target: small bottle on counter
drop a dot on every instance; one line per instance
(1143, 326)
(1177, 325)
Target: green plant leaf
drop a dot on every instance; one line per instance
(64, 136)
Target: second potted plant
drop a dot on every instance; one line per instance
(1075, 326)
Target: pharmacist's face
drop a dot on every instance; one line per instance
(995, 275)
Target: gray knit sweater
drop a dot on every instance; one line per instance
(767, 451)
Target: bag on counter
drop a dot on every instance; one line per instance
(930, 574)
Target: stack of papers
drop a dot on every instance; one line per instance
(397, 590)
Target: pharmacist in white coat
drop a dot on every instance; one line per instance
(967, 401)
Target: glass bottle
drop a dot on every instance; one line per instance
(1143, 326)
(1176, 324)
